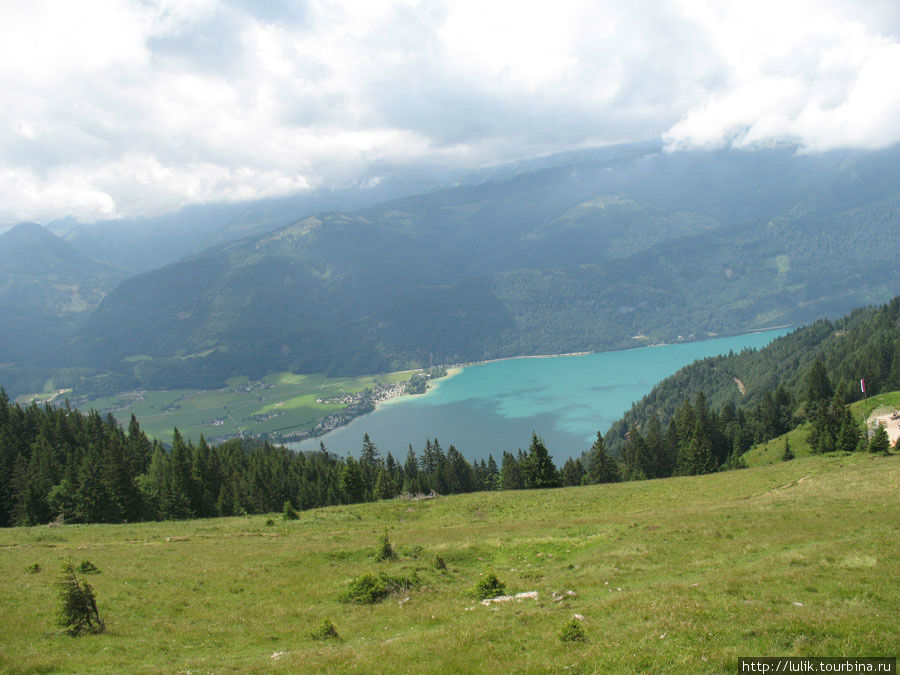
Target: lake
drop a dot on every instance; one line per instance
(491, 407)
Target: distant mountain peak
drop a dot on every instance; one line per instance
(27, 233)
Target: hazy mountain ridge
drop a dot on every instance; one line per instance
(585, 253)
(46, 288)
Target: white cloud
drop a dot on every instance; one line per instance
(127, 107)
(799, 72)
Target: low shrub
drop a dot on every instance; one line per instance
(385, 550)
(573, 631)
(369, 588)
(325, 631)
(289, 512)
(489, 586)
(87, 567)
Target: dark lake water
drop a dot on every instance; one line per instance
(491, 407)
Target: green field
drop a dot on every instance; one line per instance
(677, 575)
(287, 399)
(771, 452)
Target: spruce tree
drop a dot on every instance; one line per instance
(880, 441)
(696, 457)
(787, 454)
(412, 482)
(849, 434)
(636, 455)
(539, 471)
(78, 606)
(601, 467)
(351, 482)
(818, 386)
(510, 473)
(492, 475)
(369, 463)
(384, 485)
(571, 473)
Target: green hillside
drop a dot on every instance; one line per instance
(675, 575)
(772, 451)
(583, 256)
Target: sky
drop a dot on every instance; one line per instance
(123, 108)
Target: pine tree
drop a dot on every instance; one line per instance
(539, 471)
(456, 472)
(351, 482)
(178, 496)
(492, 475)
(510, 473)
(78, 605)
(787, 454)
(636, 456)
(119, 480)
(880, 441)
(572, 473)
(140, 449)
(849, 434)
(662, 457)
(696, 457)
(601, 467)
(412, 481)
(384, 485)
(818, 387)
(369, 463)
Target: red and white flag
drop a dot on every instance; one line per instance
(862, 386)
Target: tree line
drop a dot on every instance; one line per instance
(61, 464)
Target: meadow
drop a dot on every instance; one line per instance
(675, 575)
(279, 403)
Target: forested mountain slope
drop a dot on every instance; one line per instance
(46, 288)
(863, 345)
(607, 251)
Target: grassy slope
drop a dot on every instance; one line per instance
(770, 452)
(676, 575)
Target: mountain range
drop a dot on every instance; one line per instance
(602, 249)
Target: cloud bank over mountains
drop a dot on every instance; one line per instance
(122, 108)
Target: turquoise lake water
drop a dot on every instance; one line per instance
(492, 407)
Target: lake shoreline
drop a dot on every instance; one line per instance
(456, 369)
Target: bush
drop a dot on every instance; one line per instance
(78, 606)
(87, 567)
(573, 632)
(270, 522)
(366, 590)
(385, 550)
(325, 631)
(439, 563)
(33, 569)
(489, 586)
(289, 512)
(369, 589)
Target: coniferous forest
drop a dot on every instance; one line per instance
(60, 464)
